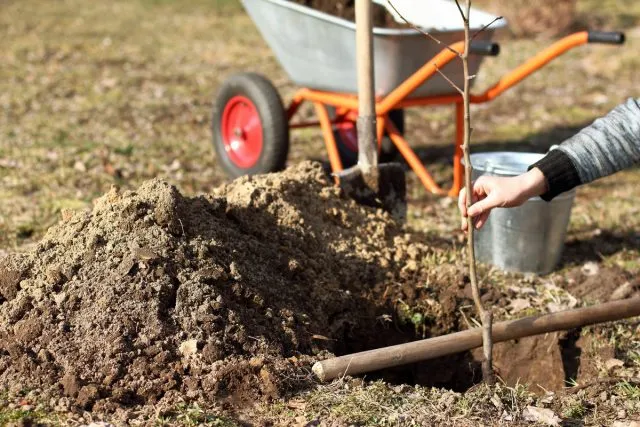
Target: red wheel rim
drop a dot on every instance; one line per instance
(242, 132)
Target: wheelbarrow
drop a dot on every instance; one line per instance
(251, 125)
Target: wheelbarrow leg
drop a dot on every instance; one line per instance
(458, 171)
(329, 140)
(413, 160)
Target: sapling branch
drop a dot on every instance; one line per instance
(444, 76)
(461, 12)
(496, 19)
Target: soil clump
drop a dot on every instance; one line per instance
(156, 297)
(346, 9)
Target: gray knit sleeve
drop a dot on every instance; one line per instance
(608, 145)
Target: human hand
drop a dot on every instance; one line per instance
(499, 192)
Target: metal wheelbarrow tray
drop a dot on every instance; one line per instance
(318, 50)
(251, 125)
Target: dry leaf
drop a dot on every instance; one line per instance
(541, 415)
(626, 424)
(519, 304)
(548, 398)
(613, 363)
(296, 404)
(555, 307)
(622, 291)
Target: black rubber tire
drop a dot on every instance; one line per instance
(273, 118)
(388, 151)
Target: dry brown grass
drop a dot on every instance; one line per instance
(542, 18)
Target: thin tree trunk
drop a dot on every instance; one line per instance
(485, 316)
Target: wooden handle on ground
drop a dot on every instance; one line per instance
(366, 125)
(372, 360)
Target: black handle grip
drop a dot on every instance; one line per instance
(485, 48)
(613, 37)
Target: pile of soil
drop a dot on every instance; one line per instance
(153, 295)
(346, 9)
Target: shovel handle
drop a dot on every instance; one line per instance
(367, 145)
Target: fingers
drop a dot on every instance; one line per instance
(462, 202)
(481, 220)
(462, 206)
(483, 205)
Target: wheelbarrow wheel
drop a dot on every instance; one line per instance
(346, 137)
(249, 126)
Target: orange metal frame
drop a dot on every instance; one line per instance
(398, 99)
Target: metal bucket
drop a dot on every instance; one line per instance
(529, 238)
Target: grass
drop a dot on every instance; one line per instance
(193, 415)
(115, 93)
(12, 413)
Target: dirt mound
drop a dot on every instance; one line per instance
(154, 295)
(346, 9)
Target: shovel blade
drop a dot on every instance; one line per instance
(382, 187)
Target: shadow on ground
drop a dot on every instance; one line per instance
(594, 248)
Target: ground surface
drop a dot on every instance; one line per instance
(120, 93)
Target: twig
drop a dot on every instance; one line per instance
(464, 18)
(455, 86)
(485, 27)
(420, 30)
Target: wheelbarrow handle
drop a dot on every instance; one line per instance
(608, 37)
(485, 48)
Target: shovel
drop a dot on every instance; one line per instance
(367, 182)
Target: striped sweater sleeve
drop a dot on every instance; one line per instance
(608, 145)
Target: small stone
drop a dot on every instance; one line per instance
(622, 413)
(188, 348)
(59, 298)
(9, 283)
(590, 269)
(235, 273)
(256, 362)
(88, 395)
(144, 254)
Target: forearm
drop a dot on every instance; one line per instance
(610, 144)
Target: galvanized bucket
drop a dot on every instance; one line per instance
(529, 238)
